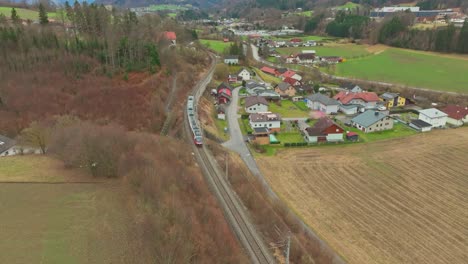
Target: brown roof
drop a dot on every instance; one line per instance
(253, 100)
(319, 127)
(455, 111)
(264, 117)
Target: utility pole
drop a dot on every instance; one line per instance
(288, 247)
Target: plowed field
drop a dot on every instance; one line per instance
(396, 201)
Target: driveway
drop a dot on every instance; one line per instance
(236, 142)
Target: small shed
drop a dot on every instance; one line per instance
(261, 135)
(352, 136)
(420, 125)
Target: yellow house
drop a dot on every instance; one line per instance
(393, 100)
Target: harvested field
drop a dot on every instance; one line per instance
(393, 201)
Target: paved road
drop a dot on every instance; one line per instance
(237, 141)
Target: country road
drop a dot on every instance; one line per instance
(348, 79)
(234, 210)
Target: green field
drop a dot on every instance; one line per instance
(24, 13)
(399, 130)
(290, 137)
(348, 6)
(306, 13)
(346, 50)
(216, 45)
(58, 223)
(304, 38)
(166, 7)
(411, 68)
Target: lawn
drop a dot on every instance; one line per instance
(411, 68)
(166, 7)
(220, 125)
(290, 137)
(24, 13)
(348, 51)
(287, 110)
(59, 223)
(245, 126)
(399, 130)
(216, 45)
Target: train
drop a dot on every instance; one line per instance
(192, 117)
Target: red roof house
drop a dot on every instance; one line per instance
(292, 81)
(170, 35)
(367, 99)
(224, 96)
(288, 74)
(297, 40)
(268, 70)
(457, 115)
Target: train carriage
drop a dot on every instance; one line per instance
(192, 117)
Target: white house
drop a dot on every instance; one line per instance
(457, 115)
(231, 59)
(244, 74)
(267, 119)
(325, 130)
(434, 117)
(8, 147)
(371, 121)
(322, 103)
(349, 109)
(255, 104)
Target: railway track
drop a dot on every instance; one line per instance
(232, 206)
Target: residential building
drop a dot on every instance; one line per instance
(372, 121)
(255, 104)
(232, 78)
(457, 115)
(331, 59)
(285, 89)
(433, 116)
(170, 36)
(305, 89)
(269, 70)
(305, 58)
(224, 93)
(7, 146)
(292, 81)
(393, 100)
(231, 60)
(244, 74)
(349, 109)
(365, 99)
(322, 103)
(325, 130)
(290, 74)
(420, 125)
(269, 120)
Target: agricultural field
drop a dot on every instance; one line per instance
(216, 45)
(167, 7)
(59, 223)
(394, 201)
(24, 13)
(411, 68)
(343, 50)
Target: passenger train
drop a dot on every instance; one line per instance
(192, 117)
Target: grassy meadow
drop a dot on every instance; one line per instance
(342, 50)
(59, 223)
(24, 13)
(216, 45)
(411, 68)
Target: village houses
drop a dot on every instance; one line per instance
(323, 103)
(457, 115)
(269, 120)
(393, 100)
(325, 130)
(285, 89)
(255, 104)
(433, 116)
(243, 74)
(231, 60)
(372, 121)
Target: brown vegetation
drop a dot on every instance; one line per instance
(395, 201)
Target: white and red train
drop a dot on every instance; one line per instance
(192, 117)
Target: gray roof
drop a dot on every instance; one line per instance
(420, 123)
(389, 96)
(432, 113)
(349, 106)
(264, 117)
(368, 118)
(253, 100)
(283, 86)
(253, 84)
(232, 57)
(323, 99)
(6, 143)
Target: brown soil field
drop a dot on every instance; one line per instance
(394, 201)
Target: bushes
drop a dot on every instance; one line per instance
(297, 144)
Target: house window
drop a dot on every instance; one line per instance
(270, 125)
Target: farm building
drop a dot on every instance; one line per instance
(269, 120)
(322, 103)
(231, 60)
(285, 89)
(372, 121)
(255, 104)
(420, 125)
(393, 100)
(457, 115)
(433, 116)
(325, 130)
(244, 74)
